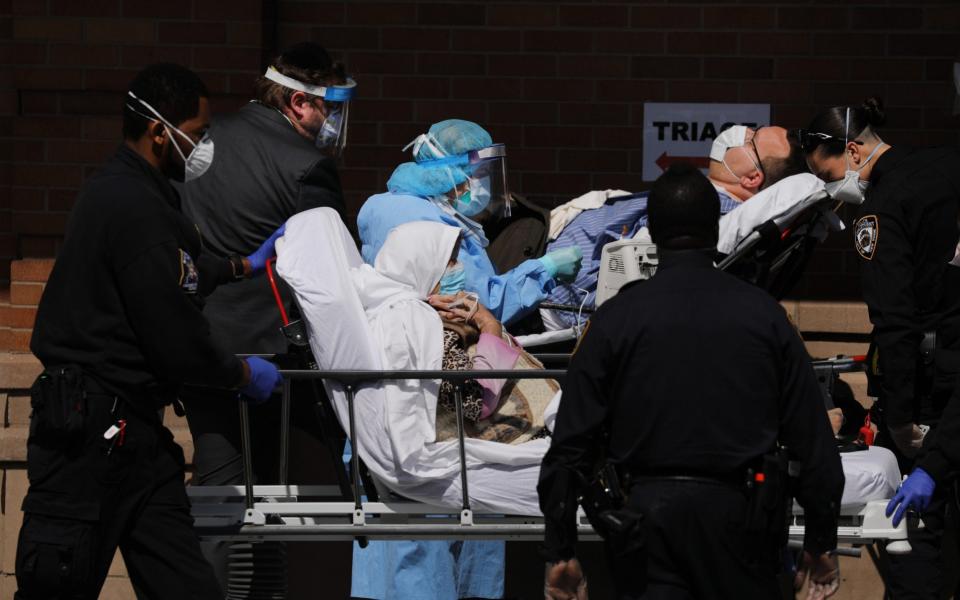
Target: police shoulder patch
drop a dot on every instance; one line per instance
(189, 276)
(866, 233)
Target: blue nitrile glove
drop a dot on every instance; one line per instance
(915, 493)
(264, 378)
(563, 264)
(266, 251)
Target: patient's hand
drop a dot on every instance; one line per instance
(443, 302)
(836, 420)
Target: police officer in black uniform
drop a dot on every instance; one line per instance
(119, 328)
(685, 383)
(906, 235)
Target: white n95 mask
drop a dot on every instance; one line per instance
(731, 137)
(200, 158)
(851, 188)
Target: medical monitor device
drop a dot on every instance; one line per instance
(623, 261)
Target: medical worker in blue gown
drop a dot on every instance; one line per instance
(458, 178)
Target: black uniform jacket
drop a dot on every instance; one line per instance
(123, 299)
(693, 371)
(906, 234)
(263, 173)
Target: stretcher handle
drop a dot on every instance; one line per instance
(566, 307)
(464, 493)
(276, 292)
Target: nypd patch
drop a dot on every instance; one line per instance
(866, 232)
(189, 277)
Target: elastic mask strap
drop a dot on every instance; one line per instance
(870, 156)
(158, 117)
(428, 140)
(846, 132)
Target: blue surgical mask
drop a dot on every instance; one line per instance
(454, 279)
(475, 200)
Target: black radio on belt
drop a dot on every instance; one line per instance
(768, 497)
(59, 405)
(604, 501)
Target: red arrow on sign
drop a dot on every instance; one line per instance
(666, 160)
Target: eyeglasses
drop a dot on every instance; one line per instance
(758, 163)
(809, 140)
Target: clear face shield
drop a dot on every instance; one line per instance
(332, 136)
(485, 196)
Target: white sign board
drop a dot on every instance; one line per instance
(683, 132)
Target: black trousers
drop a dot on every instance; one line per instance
(83, 503)
(694, 546)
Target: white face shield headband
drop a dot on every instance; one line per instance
(200, 158)
(336, 98)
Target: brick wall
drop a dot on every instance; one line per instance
(563, 83)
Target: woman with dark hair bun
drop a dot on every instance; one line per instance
(906, 234)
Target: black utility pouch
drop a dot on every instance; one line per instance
(59, 406)
(604, 501)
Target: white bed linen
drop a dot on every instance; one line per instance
(773, 202)
(869, 475)
(319, 261)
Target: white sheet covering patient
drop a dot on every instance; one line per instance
(361, 317)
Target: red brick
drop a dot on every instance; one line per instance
(409, 38)
(399, 134)
(887, 17)
(811, 69)
(740, 17)
(558, 41)
(488, 88)
(243, 34)
(102, 128)
(925, 45)
(23, 54)
(776, 92)
(24, 271)
(666, 17)
(627, 90)
(62, 200)
(451, 14)
(127, 31)
(392, 63)
(27, 199)
(594, 16)
(887, 69)
(523, 112)
(494, 40)
(432, 111)
(84, 55)
(557, 90)
(84, 8)
(738, 68)
(18, 317)
(703, 91)
(942, 17)
(529, 159)
(44, 175)
(555, 183)
(838, 44)
(701, 42)
(606, 161)
(117, 80)
(47, 78)
(594, 114)
(665, 68)
(233, 10)
(175, 9)
(381, 110)
(618, 137)
(227, 57)
(381, 13)
(579, 67)
(47, 29)
(537, 65)
(360, 179)
(39, 103)
(538, 136)
(45, 127)
(451, 64)
(919, 94)
(806, 18)
(311, 12)
(937, 69)
(631, 42)
(347, 38)
(30, 8)
(844, 92)
(81, 152)
(186, 32)
(20, 340)
(138, 56)
(774, 43)
(521, 15)
(620, 181)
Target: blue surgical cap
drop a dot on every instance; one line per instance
(454, 136)
(427, 181)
